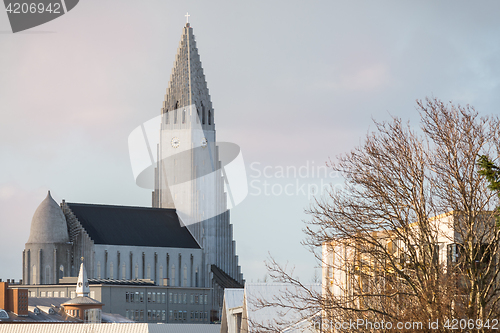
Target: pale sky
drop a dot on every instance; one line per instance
(294, 83)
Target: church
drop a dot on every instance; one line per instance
(181, 248)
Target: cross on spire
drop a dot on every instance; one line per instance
(187, 17)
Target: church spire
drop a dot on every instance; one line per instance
(187, 85)
(82, 285)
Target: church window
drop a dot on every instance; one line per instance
(61, 271)
(210, 117)
(47, 275)
(33, 274)
(184, 116)
(111, 270)
(184, 282)
(98, 269)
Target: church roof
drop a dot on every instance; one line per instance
(48, 224)
(134, 226)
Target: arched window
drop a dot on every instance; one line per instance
(184, 116)
(33, 274)
(172, 279)
(61, 271)
(111, 270)
(98, 269)
(47, 275)
(185, 276)
(124, 271)
(210, 117)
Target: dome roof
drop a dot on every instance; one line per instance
(48, 224)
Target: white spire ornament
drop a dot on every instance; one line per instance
(82, 285)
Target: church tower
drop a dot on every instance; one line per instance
(188, 176)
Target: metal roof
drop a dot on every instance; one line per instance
(135, 226)
(110, 328)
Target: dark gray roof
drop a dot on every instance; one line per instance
(135, 226)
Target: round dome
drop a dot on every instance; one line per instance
(48, 224)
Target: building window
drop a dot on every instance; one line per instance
(61, 271)
(149, 271)
(92, 294)
(142, 297)
(124, 271)
(49, 293)
(136, 271)
(163, 298)
(175, 298)
(196, 299)
(170, 298)
(43, 294)
(170, 315)
(62, 294)
(161, 276)
(163, 315)
(136, 315)
(137, 297)
(149, 314)
(206, 299)
(149, 297)
(127, 297)
(98, 269)
(126, 313)
(73, 294)
(111, 270)
(141, 318)
(56, 294)
(185, 298)
(210, 117)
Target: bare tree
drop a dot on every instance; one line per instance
(412, 236)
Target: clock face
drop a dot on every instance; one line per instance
(175, 142)
(204, 142)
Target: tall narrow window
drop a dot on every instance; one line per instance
(98, 269)
(61, 271)
(149, 271)
(167, 116)
(210, 117)
(136, 271)
(161, 275)
(124, 271)
(202, 114)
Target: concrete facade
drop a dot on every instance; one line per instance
(188, 176)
